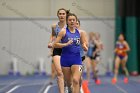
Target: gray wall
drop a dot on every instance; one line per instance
(41, 8)
(27, 40)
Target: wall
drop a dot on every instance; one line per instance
(34, 8)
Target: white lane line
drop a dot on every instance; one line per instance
(10, 84)
(121, 89)
(47, 88)
(44, 86)
(14, 88)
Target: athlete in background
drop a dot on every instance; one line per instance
(121, 50)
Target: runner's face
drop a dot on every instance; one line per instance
(77, 24)
(121, 38)
(97, 36)
(71, 21)
(62, 15)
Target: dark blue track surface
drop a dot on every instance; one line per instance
(38, 84)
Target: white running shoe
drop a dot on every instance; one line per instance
(66, 89)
